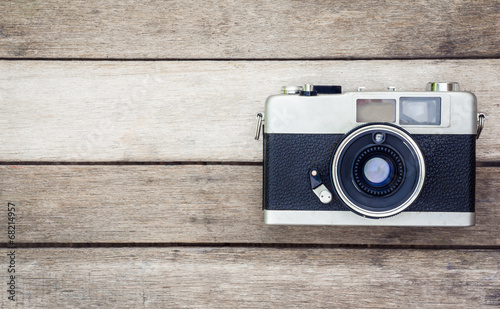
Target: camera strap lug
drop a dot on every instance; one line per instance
(480, 123)
(260, 125)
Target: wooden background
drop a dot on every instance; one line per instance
(127, 147)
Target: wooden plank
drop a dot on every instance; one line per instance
(190, 111)
(242, 29)
(194, 204)
(201, 277)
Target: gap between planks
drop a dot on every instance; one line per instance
(444, 58)
(228, 163)
(244, 245)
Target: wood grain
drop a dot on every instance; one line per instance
(194, 204)
(201, 277)
(257, 29)
(192, 110)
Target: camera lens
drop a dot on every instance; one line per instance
(378, 177)
(377, 171)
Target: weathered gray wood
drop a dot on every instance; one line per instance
(242, 29)
(193, 204)
(190, 111)
(202, 277)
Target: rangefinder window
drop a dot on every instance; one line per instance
(419, 111)
(375, 110)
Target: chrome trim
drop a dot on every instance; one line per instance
(407, 218)
(410, 142)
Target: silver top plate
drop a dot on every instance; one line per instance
(336, 114)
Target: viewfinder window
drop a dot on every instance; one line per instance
(375, 110)
(419, 111)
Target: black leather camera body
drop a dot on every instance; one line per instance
(370, 158)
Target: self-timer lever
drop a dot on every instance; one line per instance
(324, 195)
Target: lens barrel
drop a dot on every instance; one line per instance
(378, 170)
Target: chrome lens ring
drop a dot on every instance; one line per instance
(408, 142)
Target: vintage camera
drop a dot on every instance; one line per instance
(370, 158)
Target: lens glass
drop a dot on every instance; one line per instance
(377, 171)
